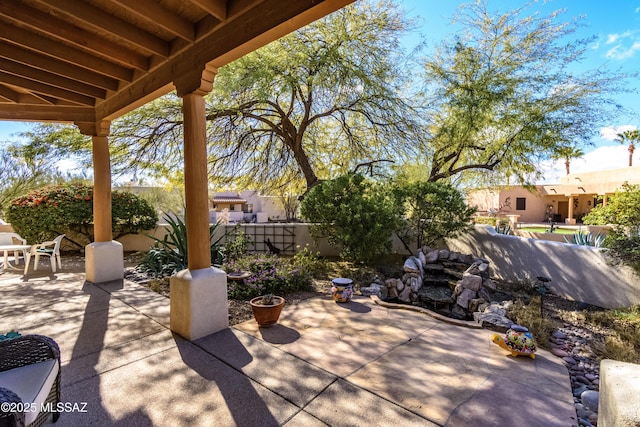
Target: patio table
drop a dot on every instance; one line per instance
(15, 248)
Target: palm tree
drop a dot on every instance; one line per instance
(567, 153)
(630, 137)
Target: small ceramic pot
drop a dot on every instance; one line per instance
(342, 289)
(266, 315)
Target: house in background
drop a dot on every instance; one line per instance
(567, 202)
(247, 206)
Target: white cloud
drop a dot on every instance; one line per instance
(624, 45)
(611, 38)
(602, 158)
(620, 52)
(610, 133)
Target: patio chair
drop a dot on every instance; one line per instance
(50, 249)
(29, 376)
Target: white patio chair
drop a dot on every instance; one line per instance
(50, 249)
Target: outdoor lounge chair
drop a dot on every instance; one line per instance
(50, 249)
(29, 375)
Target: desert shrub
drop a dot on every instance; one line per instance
(623, 210)
(67, 209)
(354, 213)
(431, 211)
(270, 274)
(236, 243)
(489, 220)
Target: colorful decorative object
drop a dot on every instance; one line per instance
(518, 340)
(342, 289)
(266, 309)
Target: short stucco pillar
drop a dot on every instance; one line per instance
(104, 261)
(199, 302)
(104, 258)
(199, 293)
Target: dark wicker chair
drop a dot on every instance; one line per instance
(23, 351)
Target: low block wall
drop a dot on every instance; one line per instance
(619, 399)
(580, 273)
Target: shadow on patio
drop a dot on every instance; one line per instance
(324, 364)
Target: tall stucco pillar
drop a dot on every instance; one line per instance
(199, 293)
(104, 258)
(570, 219)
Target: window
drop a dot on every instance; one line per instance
(521, 204)
(232, 207)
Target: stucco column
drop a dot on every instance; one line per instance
(198, 294)
(101, 189)
(104, 260)
(570, 219)
(196, 181)
(605, 198)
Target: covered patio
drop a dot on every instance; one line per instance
(90, 62)
(354, 364)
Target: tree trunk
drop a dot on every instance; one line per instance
(631, 150)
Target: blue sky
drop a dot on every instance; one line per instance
(614, 23)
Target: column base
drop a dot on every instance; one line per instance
(104, 261)
(199, 302)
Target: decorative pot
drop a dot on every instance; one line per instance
(342, 289)
(266, 315)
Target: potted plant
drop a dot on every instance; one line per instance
(266, 309)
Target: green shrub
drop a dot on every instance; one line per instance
(623, 210)
(270, 274)
(354, 213)
(490, 220)
(236, 243)
(431, 211)
(67, 209)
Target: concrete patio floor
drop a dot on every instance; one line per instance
(354, 364)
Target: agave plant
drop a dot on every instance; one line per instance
(503, 229)
(587, 239)
(170, 254)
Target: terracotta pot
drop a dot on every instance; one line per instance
(266, 315)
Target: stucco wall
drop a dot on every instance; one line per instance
(577, 272)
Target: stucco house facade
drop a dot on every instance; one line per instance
(566, 202)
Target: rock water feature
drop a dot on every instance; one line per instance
(460, 286)
(454, 284)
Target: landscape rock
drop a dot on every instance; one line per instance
(472, 282)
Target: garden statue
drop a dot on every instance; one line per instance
(518, 340)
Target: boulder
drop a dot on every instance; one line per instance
(443, 254)
(471, 281)
(432, 256)
(405, 295)
(412, 265)
(489, 284)
(465, 298)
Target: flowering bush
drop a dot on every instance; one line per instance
(67, 209)
(270, 274)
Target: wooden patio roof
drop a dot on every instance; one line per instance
(85, 61)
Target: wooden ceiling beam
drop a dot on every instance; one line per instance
(71, 85)
(10, 94)
(99, 19)
(67, 33)
(216, 8)
(61, 68)
(46, 89)
(62, 52)
(46, 113)
(152, 11)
